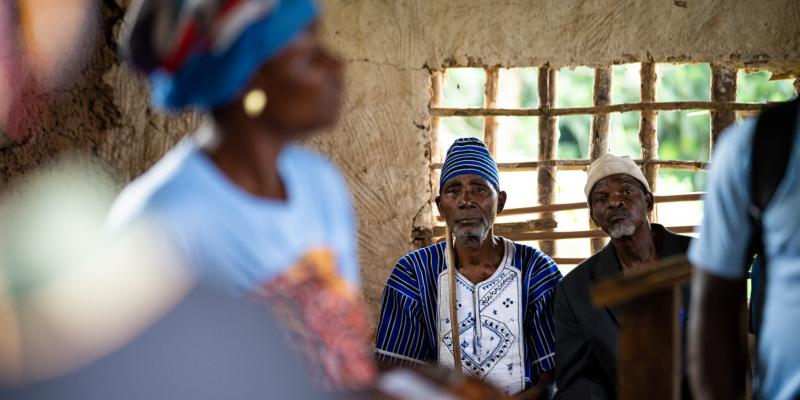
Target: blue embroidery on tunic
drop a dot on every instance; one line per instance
(505, 278)
(408, 323)
(480, 361)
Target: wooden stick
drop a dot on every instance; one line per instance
(577, 165)
(436, 156)
(595, 233)
(599, 141)
(610, 108)
(510, 228)
(662, 274)
(436, 100)
(602, 97)
(658, 198)
(677, 164)
(548, 146)
(582, 234)
(451, 276)
(647, 125)
(490, 124)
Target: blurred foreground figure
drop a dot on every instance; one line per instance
(243, 205)
(751, 207)
(185, 355)
(89, 316)
(44, 46)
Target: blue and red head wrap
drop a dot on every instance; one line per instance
(202, 53)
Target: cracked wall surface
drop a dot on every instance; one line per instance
(382, 141)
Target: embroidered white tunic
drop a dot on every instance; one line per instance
(490, 325)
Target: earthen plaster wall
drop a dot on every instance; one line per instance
(391, 46)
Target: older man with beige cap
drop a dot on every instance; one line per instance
(619, 199)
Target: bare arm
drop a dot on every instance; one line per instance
(716, 342)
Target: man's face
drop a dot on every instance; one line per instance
(619, 205)
(469, 204)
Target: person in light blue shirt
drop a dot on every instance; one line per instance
(246, 207)
(719, 255)
(232, 237)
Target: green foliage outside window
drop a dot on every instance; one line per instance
(682, 135)
(757, 88)
(463, 88)
(574, 88)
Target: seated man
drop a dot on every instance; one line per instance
(504, 290)
(586, 337)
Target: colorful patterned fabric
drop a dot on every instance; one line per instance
(413, 327)
(326, 320)
(202, 53)
(469, 156)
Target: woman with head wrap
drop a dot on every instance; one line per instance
(243, 204)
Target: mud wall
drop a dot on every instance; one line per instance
(391, 46)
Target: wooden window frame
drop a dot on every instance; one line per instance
(723, 109)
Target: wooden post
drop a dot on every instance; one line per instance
(797, 86)
(581, 165)
(423, 235)
(648, 347)
(490, 101)
(548, 142)
(723, 90)
(648, 344)
(599, 140)
(611, 108)
(602, 96)
(647, 127)
(451, 279)
(437, 92)
(437, 78)
(508, 229)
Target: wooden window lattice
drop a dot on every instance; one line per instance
(722, 107)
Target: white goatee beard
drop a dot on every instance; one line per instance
(472, 237)
(622, 229)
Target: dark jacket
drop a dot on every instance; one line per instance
(586, 337)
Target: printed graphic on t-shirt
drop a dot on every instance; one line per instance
(325, 318)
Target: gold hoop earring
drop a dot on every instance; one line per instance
(255, 101)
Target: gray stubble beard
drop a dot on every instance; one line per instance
(471, 237)
(622, 229)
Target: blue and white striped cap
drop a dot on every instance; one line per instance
(469, 156)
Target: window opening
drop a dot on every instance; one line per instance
(545, 126)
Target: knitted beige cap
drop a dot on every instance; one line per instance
(609, 164)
